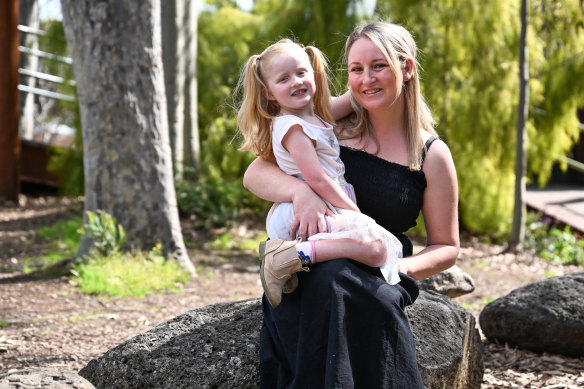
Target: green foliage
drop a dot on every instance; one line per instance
(553, 242)
(129, 274)
(3, 324)
(108, 237)
(64, 238)
(470, 78)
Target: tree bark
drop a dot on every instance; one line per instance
(117, 56)
(518, 230)
(179, 37)
(9, 140)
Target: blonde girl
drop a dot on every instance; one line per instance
(286, 115)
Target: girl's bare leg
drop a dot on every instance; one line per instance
(369, 253)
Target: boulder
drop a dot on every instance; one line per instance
(448, 344)
(218, 347)
(452, 282)
(43, 378)
(543, 316)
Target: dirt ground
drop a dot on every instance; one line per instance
(47, 322)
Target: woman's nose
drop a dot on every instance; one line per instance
(370, 75)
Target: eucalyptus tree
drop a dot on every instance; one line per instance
(179, 55)
(117, 55)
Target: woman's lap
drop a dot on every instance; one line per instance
(344, 327)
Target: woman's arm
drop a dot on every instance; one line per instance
(341, 106)
(265, 179)
(440, 211)
(302, 150)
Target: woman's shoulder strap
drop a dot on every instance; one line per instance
(427, 145)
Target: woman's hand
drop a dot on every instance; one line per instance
(309, 213)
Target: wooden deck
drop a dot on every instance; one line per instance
(564, 203)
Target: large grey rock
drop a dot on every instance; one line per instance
(218, 347)
(448, 344)
(544, 316)
(43, 378)
(452, 282)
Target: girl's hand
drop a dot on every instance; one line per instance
(309, 213)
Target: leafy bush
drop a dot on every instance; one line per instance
(108, 237)
(218, 196)
(552, 241)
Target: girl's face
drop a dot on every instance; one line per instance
(290, 80)
(371, 79)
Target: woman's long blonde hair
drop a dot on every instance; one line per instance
(398, 45)
(256, 112)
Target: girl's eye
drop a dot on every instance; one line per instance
(355, 69)
(380, 66)
(301, 73)
(283, 79)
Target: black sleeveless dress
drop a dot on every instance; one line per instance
(344, 326)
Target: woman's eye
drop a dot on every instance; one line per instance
(380, 66)
(355, 69)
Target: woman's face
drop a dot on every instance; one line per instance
(371, 79)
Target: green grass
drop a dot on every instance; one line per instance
(64, 239)
(3, 324)
(128, 274)
(230, 241)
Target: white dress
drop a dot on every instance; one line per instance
(347, 223)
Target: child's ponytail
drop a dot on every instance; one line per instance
(322, 98)
(256, 112)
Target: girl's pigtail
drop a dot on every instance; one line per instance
(254, 117)
(322, 98)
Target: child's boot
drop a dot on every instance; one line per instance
(279, 262)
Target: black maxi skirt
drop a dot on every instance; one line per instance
(344, 327)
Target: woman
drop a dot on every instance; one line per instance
(344, 326)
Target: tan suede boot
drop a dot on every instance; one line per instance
(279, 262)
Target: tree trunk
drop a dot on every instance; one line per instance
(518, 230)
(9, 140)
(179, 37)
(117, 56)
(28, 16)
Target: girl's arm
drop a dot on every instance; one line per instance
(302, 150)
(265, 179)
(341, 106)
(440, 211)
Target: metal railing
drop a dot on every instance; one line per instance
(43, 76)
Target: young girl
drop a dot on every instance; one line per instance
(285, 114)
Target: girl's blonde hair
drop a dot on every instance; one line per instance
(397, 45)
(256, 112)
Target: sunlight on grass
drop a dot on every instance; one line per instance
(128, 274)
(231, 241)
(64, 237)
(549, 274)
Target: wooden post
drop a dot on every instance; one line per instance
(9, 140)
